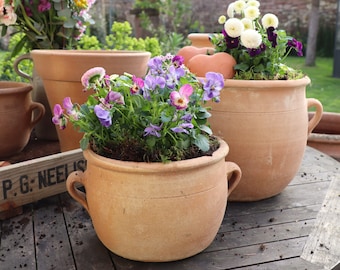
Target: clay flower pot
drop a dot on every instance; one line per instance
(16, 116)
(326, 135)
(61, 71)
(200, 40)
(156, 211)
(266, 126)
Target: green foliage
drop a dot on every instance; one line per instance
(121, 38)
(88, 43)
(145, 4)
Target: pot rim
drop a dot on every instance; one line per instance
(144, 167)
(90, 53)
(10, 87)
(265, 84)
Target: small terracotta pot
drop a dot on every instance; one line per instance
(266, 126)
(61, 71)
(16, 116)
(154, 211)
(326, 135)
(200, 40)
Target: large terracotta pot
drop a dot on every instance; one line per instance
(61, 71)
(200, 40)
(16, 116)
(266, 126)
(44, 129)
(326, 135)
(154, 211)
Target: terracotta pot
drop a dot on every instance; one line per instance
(154, 211)
(200, 40)
(326, 135)
(266, 126)
(16, 116)
(44, 129)
(61, 71)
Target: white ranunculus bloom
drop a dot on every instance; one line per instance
(269, 20)
(248, 23)
(251, 39)
(234, 27)
(230, 10)
(253, 3)
(239, 6)
(222, 19)
(252, 12)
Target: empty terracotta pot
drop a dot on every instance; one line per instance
(16, 116)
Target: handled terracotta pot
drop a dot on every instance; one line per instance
(154, 211)
(16, 121)
(266, 126)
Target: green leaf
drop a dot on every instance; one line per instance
(202, 143)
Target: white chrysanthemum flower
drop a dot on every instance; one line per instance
(248, 23)
(230, 10)
(270, 20)
(222, 19)
(239, 6)
(253, 3)
(251, 39)
(234, 27)
(252, 12)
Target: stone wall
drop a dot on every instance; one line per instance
(293, 14)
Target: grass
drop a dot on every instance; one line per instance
(324, 86)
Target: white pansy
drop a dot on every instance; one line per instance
(234, 27)
(270, 20)
(251, 39)
(252, 12)
(222, 19)
(230, 10)
(248, 24)
(239, 6)
(253, 3)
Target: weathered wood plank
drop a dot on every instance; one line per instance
(88, 251)
(17, 242)
(323, 245)
(289, 264)
(53, 250)
(32, 180)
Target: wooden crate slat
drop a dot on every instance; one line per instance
(32, 180)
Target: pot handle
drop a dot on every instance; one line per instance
(79, 196)
(17, 69)
(234, 175)
(312, 102)
(41, 112)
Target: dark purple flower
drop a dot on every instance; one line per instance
(152, 130)
(232, 43)
(297, 45)
(257, 51)
(177, 61)
(103, 116)
(212, 85)
(44, 5)
(272, 36)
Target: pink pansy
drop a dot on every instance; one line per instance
(180, 99)
(90, 77)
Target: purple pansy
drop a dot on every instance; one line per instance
(103, 116)
(58, 116)
(212, 85)
(153, 130)
(182, 128)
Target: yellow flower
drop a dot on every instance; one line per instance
(222, 19)
(80, 3)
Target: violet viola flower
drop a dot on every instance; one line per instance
(103, 116)
(153, 130)
(58, 117)
(150, 84)
(115, 97)
(173, 75)
(138, 84)
(69, 107)
(182, 128)
(155, 66)
(187, 117)
(44, 5)
(180, 99)
(212, 85)
(297, 45)
(272, 36)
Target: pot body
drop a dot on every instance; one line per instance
(153, 211)
(61, 71)
(44, 129)
(16, 116)
(266, 126)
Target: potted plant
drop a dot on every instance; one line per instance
(263, 109)
(49, 24)
(156, 177)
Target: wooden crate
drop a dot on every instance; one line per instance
(32, 180)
